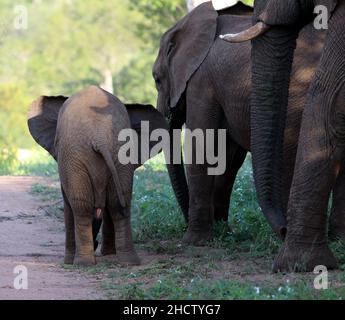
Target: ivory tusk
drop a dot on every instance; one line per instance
(253, 32)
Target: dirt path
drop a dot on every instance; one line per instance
(30, 238)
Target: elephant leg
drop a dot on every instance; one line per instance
(318, 163)
(224, 183)
(200, 226)
(108, 235)
(125, 251)
(202, 114)
(121, 218)
(337, 217)
(319, 158)
(78, 193)
(83, 233)
(69, 231)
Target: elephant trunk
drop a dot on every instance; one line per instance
(177, 173)
(271, 71)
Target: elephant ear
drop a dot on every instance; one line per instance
(187, 45)
(145, 112)
(137, 114)
(42, 121)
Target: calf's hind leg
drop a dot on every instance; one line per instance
(78, 190)
(83, 233)
(121, 217)
(69, 231)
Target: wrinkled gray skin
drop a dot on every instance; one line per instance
(81, 133)
(320, 156)
(206, 83)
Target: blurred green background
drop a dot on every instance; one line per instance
(67, 45)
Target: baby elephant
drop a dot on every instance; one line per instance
(81, 133)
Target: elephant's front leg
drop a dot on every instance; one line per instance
(337, 217)
(224, 183)
(203, 116)
(222, 194)
(319, 159)
(201, 187)
(318, 163)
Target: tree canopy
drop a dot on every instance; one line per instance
(59, 46)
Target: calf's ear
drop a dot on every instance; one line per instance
(145, 112)
(42, 121)
(139, 113)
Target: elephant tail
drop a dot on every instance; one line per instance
(115, 175)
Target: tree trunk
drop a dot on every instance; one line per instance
(191, 4)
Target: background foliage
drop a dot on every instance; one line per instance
(69, 44)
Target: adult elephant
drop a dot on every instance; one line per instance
(203, 82)
(322, 136)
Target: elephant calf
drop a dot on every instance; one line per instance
(81, 133)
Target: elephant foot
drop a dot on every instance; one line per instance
(336, 233)
(127, 258)
(84, 260)
(197, 238)
(304, 258)
(69, 258)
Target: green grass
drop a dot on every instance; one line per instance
(235, 265)
(46, 193)
(157, 216)
(167, 288)
(201, 279)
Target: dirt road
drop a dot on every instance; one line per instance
(30, 238)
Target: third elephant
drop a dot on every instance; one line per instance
(319, 167)
(205, 83)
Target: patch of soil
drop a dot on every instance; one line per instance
(30, 238)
